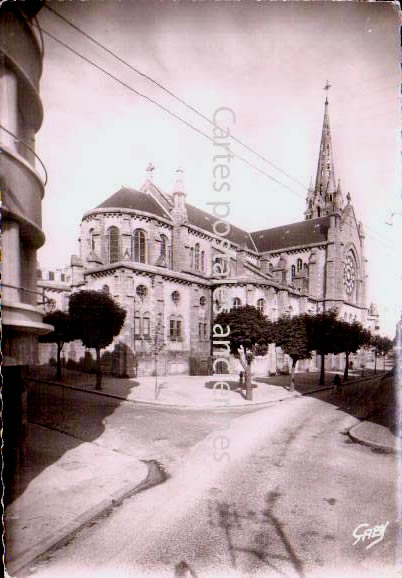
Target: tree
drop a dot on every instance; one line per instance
(324, 336)
(96, 319)
(350, 338)
(250, 334)
(63, 333)
(291, 334)
(382, 346)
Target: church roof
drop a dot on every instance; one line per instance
(127, 198)
(293, 235)
(204, 220)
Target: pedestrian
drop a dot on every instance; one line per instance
(337, 382)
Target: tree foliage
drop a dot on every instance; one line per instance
(350, 337)
(249, 329)
(324, 336)
(250, 334)
(63, 333)
(97, 319)
(291, 335)
(382, 346)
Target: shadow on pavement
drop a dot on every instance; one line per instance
(234, 385)
(307, 381)
(268, 544)
(373, 400)
(52, 407)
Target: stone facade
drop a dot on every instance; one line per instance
(157, 256)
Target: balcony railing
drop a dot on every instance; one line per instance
(26, 295)
(24, 144)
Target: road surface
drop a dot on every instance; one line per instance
(276, 492)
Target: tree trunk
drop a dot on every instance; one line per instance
(249, 389)
(292, 374)
(346, 371)
(375, 362)
(58, 363)
(98, 370)
(322, 371)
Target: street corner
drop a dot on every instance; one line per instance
(376, 436)
(79, 486)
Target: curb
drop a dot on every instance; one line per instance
(158, 404)
(156, 475)
(361, 440)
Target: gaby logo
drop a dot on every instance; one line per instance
(363, 532)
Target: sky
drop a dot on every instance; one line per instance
(266, 61)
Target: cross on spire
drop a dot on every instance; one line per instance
(150, 171)
(326, 88)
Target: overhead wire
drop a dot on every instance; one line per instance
(170, 112)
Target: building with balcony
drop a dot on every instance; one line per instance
(22, 182)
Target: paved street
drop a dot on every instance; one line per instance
(164, 434)
(275, 492)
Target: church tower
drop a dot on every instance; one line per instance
(326, 196)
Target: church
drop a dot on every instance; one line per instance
(154, 253)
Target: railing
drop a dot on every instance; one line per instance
(19, 140)
(47, 303)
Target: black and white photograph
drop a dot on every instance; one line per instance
(201, 288)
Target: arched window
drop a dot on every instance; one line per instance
(92, 239)
(270, 267)
(139, 246)
(305, 266)
(299, 265)
(197, 257)
(202, 260)
(146, 326)
(203, 301)
(293, 271)
(113, 242)
(318, 212)
(164, 246)
(175, 297)
(137, 324)
(106, 289)
(236, 303)
(261, 305)
(175, 329)
(192, 258)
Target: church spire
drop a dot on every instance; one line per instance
(325, 181)
(323, 198)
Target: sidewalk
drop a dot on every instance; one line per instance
(64, 483)
(179, 391)
(377, 436)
